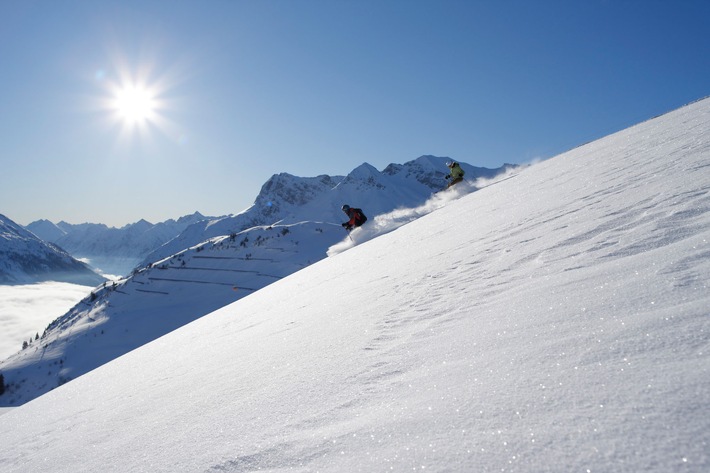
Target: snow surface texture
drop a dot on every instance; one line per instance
(555, 321)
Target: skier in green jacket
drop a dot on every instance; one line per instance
(455, 173)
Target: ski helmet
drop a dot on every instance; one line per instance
(345, 207)
(449, 164)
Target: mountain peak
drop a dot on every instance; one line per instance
(432, 161)
(142, 224)
(194, 217)
(365, 170)
(366, 175)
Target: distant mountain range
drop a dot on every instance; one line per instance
(25, 258)
(113, 251)
(214, 262)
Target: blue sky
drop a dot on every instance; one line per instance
(235, 91)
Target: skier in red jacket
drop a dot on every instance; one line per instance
(356, 217)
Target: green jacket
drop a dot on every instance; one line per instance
(456, 171)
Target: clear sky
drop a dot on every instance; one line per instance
(113, 111)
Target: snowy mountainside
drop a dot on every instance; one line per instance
(190, 283)
(112, 250)
(555, 321)
(285, 198)
(280, 194)
(24, 259)
(120, 316)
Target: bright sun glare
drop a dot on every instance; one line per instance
(133, 99)
(134, 104)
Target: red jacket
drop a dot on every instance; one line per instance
(357, 218)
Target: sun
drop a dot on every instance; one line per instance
(137, 99)
(134, 104)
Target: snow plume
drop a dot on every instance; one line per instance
(390, 221)
(482, 182)
(385, 223)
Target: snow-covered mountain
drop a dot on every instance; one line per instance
(553, 321)
(288, 199)
(223, 266)
(110, 250)
(47, 230)
(24, 258)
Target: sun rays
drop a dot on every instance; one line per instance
(134, 100)
(135, 106)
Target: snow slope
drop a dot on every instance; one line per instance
(554, 321)
(216, 271)
(120, 316)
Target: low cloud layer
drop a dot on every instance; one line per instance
(27, 310)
